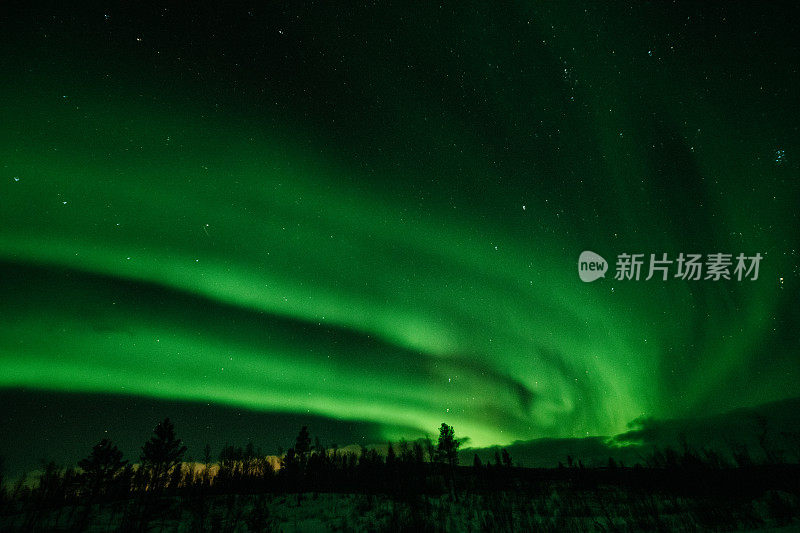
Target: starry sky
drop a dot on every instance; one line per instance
(370, 218)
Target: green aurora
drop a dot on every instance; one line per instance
(376, 215)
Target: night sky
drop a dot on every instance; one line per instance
(369, 219)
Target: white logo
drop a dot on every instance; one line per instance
(591, 266)
(687, 267)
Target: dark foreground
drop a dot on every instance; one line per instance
(424, 498)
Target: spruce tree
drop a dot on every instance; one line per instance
(162, 453)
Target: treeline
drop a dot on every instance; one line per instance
(105, 483)
(161, 484)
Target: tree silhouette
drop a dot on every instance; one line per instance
(476, 461)
(430, 448)
(391, 457)
(206, 464)
(302, 444)
(249, 451)
(163, 452)
(288, 459)
(102, 465)
(506, 459)
(100, 468)
(419, 453)
(447, 450)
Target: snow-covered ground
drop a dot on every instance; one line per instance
(495, 511)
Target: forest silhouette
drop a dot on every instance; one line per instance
(419, 485)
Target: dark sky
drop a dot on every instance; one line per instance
(368, 219)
